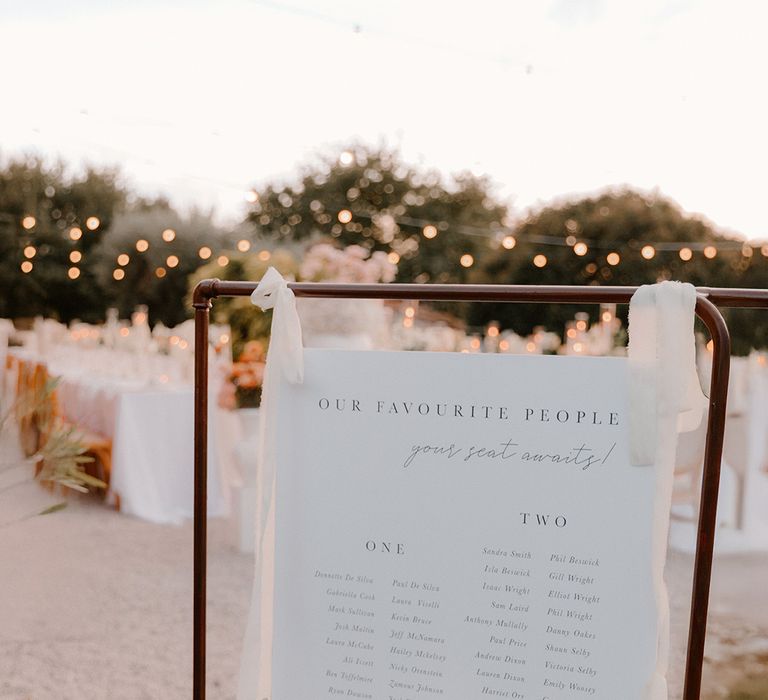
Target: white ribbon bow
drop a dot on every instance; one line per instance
(285, 345)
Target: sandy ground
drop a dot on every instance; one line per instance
(98, 605)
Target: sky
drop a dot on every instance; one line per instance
(551, 98)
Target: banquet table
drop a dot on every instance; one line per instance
(150, 424)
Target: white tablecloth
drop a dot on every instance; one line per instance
(151, 427)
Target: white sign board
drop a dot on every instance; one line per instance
(460, 527)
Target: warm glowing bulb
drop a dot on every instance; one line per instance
(118, 274)
(467, 260)
(581, 325)
(123, 259)
(746, 250)
(92, 223)
(429, 231)
(345, 216)
(571, 333)
(504, 345)
(160, 272)
(648, 251)
(75, 233)
(205, 252)
(410, 312)
(223, 260)
(73, 273)
(393, 257)
(508, 242)
(28, 222)
(540, 260)
(142, 246)
(607, 316)
(243, 246)
(475, 343)
(264, 255)
(346, 158)
(493, 331)
(613, 258)
(30, 251)
(172, 261)
(26, 266)
(580, 248)
(578, 347)
(168, 235)
(252, 196)
(685, 254)
(75, 256)
(710, 252)
(530, 346)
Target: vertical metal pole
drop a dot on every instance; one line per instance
(710, 486)
(202, 308)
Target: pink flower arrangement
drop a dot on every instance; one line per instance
(324, 262)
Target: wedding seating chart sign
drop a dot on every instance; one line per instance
(460, 526)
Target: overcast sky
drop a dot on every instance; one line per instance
(200, 100)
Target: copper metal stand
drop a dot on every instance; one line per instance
(706, 308)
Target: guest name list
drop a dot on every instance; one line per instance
(448, 557)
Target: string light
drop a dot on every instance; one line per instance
(26, 266)
(648, 252)
(345, 216)
(530, 346)
(264, 255)
(540, 260)
(75, 233)
(580, 248)
(581, 325)
(142, 246)
(710, 252)
(764, 250)
(123, 259)
(429, 231)
(252, 196)
(508, 242)
(172, 261)
(92, 223)
(613, 258)
(346, 158)
(607, 316)
(746, 250)
(73, 273)
(168, 235)
(467, 260)
(205, 252)
(118, 274)
(75, 256)
(685, 254)
(410, 312)
(160, 272)
(504, 345)
(30, 251)
(28, 222)
(393, 257)
(222, 260)
(493, 331)
(243, 246)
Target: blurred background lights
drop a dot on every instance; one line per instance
(252, 196)
(648, 251)
(430, 231)
(508, 242)
(142, 246)
(264, 255)
(172, 261)
(580, 248)
(346, 158)
(222, 260)
(92, 223)
(345, 216)
(243, 245)
(75, 256)
(73, 273)
(613, 258)
(540, 260)
(393, 257)
(467, 260)
(75, 233)
(160, 272)
(30, 251)
(26, 266)
(118, 274)
(168, 235)
(685, 254)
(28, 222)
(205, 252)
(710, 252)
(123, 259)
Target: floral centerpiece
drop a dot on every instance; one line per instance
(244, 378)
(361, 319)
